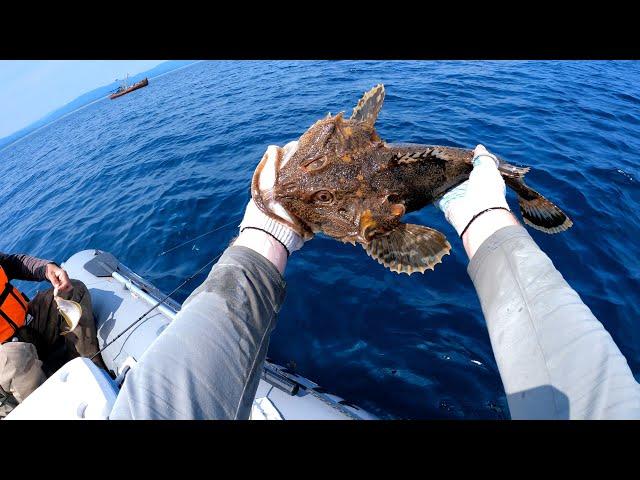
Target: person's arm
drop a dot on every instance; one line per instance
(555, 358)
(25, 267)
(207, 362)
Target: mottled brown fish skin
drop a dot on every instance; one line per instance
(347, 183)
(423, 173)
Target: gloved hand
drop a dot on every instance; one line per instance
(255, 219)
(478, 208)
(271, 238)
(484, 189)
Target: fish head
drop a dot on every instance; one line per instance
(326, 183)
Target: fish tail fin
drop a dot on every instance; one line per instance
(537, 211)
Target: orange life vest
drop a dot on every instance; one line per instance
(13, 308)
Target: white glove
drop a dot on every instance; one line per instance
(484, 190)
(254, 218)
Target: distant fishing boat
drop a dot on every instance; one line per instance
(125, 88)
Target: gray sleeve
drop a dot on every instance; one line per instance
(24, 267)
(555, 358)
(207, 362)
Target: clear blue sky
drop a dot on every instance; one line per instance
(31, 89)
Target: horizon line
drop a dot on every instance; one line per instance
(81, 106)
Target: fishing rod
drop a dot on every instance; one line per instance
(157, 304)
(175, 289)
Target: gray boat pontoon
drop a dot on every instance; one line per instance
(80, 390)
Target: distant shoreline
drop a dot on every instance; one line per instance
(97, 91)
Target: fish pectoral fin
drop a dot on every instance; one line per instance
(409, 248)
(369, 106)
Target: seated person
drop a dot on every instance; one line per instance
(32, 346)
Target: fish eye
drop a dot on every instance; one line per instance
(315, 164)
(323, 196)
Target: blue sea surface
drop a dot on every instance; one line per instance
(141, 174)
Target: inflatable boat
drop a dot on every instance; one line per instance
(80, 390)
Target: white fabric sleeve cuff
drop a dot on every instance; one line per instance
(254, 218)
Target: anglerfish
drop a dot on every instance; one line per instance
(344, 181)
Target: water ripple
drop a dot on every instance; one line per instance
(155, 168)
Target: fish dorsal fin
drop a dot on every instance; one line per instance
(409, 248)
(369, 106)
(406, 153)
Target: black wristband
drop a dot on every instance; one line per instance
(256, 228)
(478, 214)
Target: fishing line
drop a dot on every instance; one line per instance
(179, 286)
(204, 234)
(158, 304)
(199, 236)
